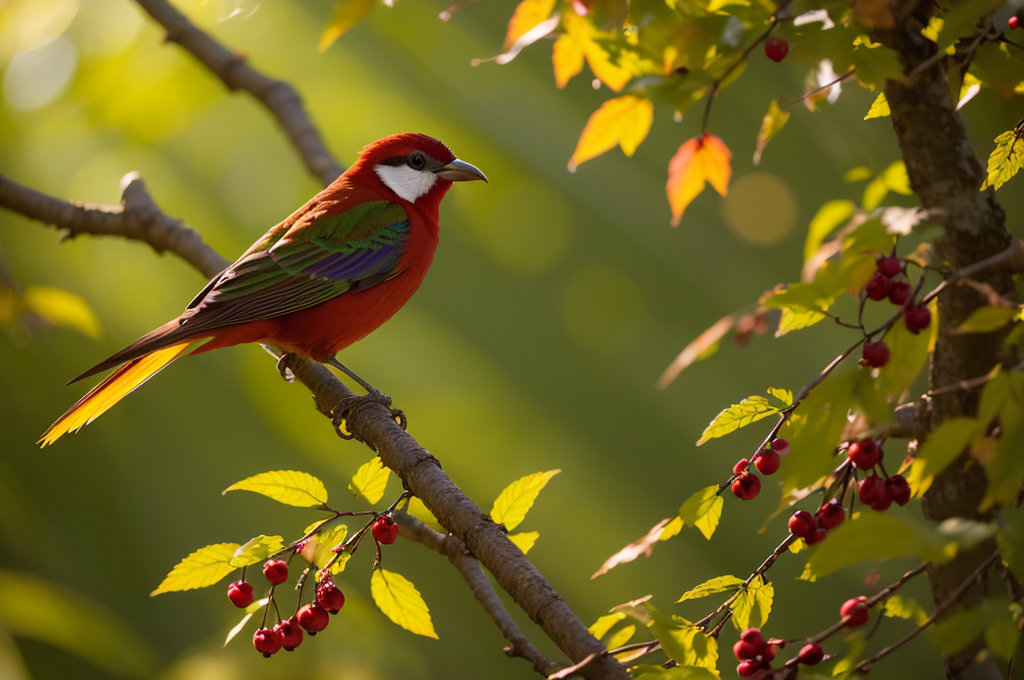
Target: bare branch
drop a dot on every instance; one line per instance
(276, 95)
(374, 424)
(456, 552)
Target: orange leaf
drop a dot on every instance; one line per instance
(528, 14)
(624, 121)
(700, 160)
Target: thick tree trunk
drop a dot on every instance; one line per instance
(946, 174)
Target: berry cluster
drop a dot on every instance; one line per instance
(756, 655)
(874, 491)
(313, 617)
(747, 485)
(882, 285)
(814, 528)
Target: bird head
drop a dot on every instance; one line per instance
(414, 167)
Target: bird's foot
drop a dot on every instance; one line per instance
(284, 369)
(347, 407)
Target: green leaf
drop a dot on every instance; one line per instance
(814, 430)
(62, 308)
(1002, 635)
(36, 609)
(256, 550)
(1005, 161)
(752, 606)
(827, 218)
(680, 639)
(844, 668)
(1011, 540)
(943, 446)
(524, 540)
(905, 536)
(1005, 471)
(346, 14)
(290, 487)
(703, 510)
(988, 318)
(621, 637)
(771, 124)
(651, 672)
(398, 598)
(958, 630)
(905, 608)
(370, 480)
(879, 108)
(750, 410)
(792, 320)
(603, 625)
(517, 498)
(202, 568)
(719, 584)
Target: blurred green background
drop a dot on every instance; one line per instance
(554, 303)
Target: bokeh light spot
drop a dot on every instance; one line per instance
(35, 78)
(529, 229)
(760, 208)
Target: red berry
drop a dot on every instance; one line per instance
(776, 49)
(753, 636)
(747, 668)
(890, 266)
(882, 504)
(855, 612)
(865, 454)
(240, 594)
(1014, 22)
(802, 524)
(385, 530)
(780, 446)
(741, 466)
(898, 489)
(879, 286)
(917, 319)
(900, 293)
(746, 650)
(330, 597)
(267, 641)
(831, 514)
(767, 462)
(747, 486)
(276, 571)
(872, 490)
(313, 618)
(816, 536)
(810, 654)
(876, 354)
(291, 634)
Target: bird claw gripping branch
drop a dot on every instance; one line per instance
(348, 406)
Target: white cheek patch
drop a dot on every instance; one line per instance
(408, 183)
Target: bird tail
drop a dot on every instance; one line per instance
(118, 385)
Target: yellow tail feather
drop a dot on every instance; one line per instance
(120, 383)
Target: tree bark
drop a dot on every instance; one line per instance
(946, 174)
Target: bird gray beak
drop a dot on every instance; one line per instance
(459, 171)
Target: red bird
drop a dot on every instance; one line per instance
(330, 274)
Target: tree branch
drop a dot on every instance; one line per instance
(456, 552)
(277, 96)
(140, 219)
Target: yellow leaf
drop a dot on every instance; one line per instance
(398, 598)
(719, 584)
(988, 318)
(578, 43)
(604, 624)
(879, 108)
(517, 498)
(703, 510)
(567, 58)
(624, 121)
(752, 607)
(320, 548)
(772, 122)
(290, 487)
(750, 410)
(346, 14)
(528, 14)
(672, 528)
(256, 550)
(524, 540)
(703, 159)
(1007, 158)
(249, 611)
(202, 568)
(420, 512)
(63, 309)
(370, 480)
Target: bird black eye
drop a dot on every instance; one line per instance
(417, 160)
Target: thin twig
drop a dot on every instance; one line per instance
(277, 96)
(840, 79)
